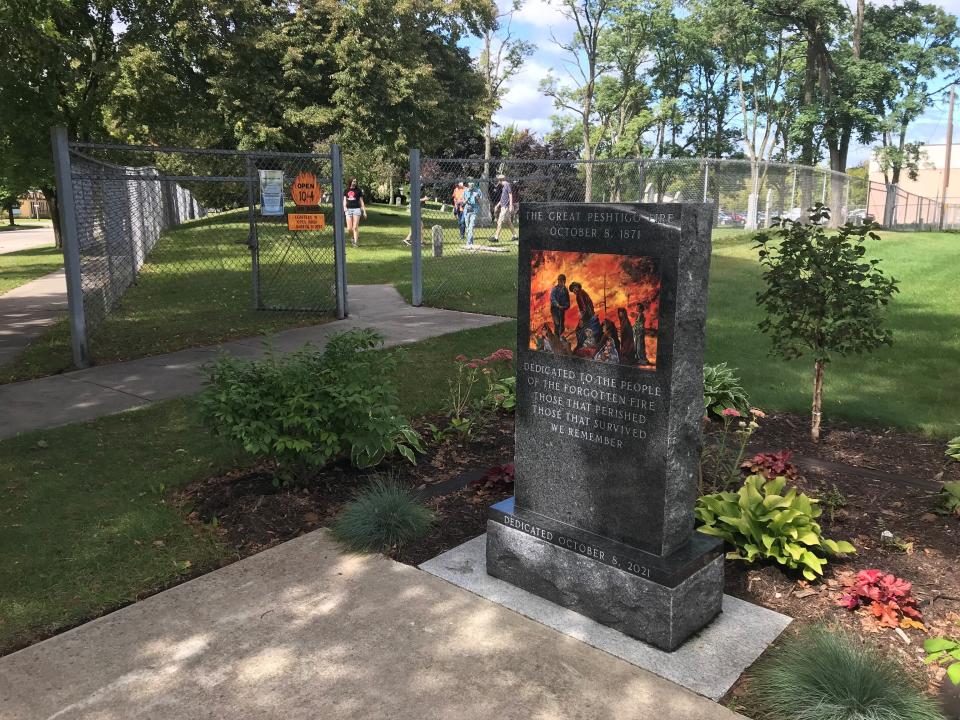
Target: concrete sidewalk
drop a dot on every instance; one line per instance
(106, 389)
(26, 311)
(304, 631)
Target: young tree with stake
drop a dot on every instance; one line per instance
(822, 296)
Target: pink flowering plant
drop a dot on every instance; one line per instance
(478, 388)
(884, 597)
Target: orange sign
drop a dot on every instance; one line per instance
(305, 190)
(306, 221)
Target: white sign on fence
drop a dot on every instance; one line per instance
(271, 192)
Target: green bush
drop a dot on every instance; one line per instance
(309, 407)
(383, 516)
(763, 523)
(822, 675)
(946, 652)
(953, 449)
(722, 391)
(503, 394)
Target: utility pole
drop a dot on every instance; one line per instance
(946, 157)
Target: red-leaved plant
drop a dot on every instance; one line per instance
(771, 465)
(497, 479)
(887, 598)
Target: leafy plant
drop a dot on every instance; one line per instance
(382, 517)
(833, 499)
(822, 296)
(720, 461)
(503, 394)
(888, 599)
(771, 465)
(763, 522)
(953, 449)
(722, 391)
(496, 480)
(950, 498)
(466, 406)
(308, 408)
(823, 675)
(946, 652)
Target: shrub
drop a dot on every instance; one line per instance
(503, 394)
(382, 517)
(763, 523)
(722, 391)
(771, 465)
(720, 461)
(947, 653)
(889, 599)
(310, 407)
(822, 675)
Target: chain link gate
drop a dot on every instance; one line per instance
(175, 242)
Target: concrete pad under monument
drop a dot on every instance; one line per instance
(611, 333)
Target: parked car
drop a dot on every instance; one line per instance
(858, 216)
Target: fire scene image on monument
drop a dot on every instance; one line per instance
(598, 306)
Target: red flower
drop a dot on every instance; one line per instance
(461, 358)
(731, 412)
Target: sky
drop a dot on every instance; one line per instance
(539, 21)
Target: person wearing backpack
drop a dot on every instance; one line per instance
(471, 207)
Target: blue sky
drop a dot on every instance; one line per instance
(537, 20)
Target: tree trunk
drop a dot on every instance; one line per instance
(587, 165)
(13, 222)
(817, 400)
(50, 194)
(807, 145)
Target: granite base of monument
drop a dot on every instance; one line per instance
(659, 600)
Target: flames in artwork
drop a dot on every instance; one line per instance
(606, 308)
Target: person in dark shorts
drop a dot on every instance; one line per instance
(353, 208)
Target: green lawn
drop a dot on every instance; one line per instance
(86, 522)
(24, 224)
(20, 267)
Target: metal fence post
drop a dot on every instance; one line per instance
(71, 246)
(339, 245)
(416, 227)
(706, 179)
(253, 240)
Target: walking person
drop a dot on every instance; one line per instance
(504, 208)
(471, 207)
(458, 193)
(353, 208)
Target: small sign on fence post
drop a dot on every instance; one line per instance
(306, 190)
(306, 221)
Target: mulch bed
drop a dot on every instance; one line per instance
(882, 480)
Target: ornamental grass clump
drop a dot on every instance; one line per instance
(823, 675)
(383, 517)
(763, 522)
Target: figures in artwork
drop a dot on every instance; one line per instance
(596, 306)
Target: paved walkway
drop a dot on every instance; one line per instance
(106, 389)
(303, 631)
(26, 311)
(26, 239)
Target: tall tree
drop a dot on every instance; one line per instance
(501, 58)
(918, 45)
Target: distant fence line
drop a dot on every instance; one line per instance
(745, 194)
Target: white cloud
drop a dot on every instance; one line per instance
(523, 104)
(541, 14)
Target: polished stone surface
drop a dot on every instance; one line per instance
(623, 598)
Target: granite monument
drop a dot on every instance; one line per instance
(611, 329)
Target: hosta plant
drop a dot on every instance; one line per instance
(771, 465)
(946, 652)
(766, 521)
(950, 498)
(953, 449)
(887, 598)
(722, 391)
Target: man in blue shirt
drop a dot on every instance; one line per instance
(559, 304)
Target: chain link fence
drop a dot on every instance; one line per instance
(173, 247)
(479, 273)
